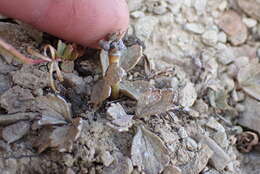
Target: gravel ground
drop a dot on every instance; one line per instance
(189, 106)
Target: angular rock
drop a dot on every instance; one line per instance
(188, 95)
(200, 161)
(120, 120)
(30, 77)
(121, 164)
(250, 118)
(16, 99)
(248, 78)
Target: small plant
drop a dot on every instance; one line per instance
(50, 55)
(114, 46)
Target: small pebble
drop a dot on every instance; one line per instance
(137, 14)
(222, 37)
(182, 133)
(194, 28)
(250, 22)
(191, 144)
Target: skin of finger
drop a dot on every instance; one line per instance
(81, 21)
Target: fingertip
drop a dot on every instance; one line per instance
(81, 21)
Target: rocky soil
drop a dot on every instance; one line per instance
(191, 105)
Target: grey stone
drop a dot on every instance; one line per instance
(251, 116)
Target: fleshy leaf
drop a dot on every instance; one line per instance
(54, 109)
(134, 89)
(148, 152)
(131, 57)
(61, 138)
(114, 74)
(120, 120)
(154, 102)
(60, 48)
(101, 91)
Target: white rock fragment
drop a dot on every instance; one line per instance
(225, 54)
(188, 95)
(182, 133)
(210, 37)
(215, 125)
(194, 28)
(250, 22)
(223, 5)
(222, 37)
(200, 6)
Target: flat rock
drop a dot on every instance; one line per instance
(30, 77)
(15, 131)
(16, 99)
